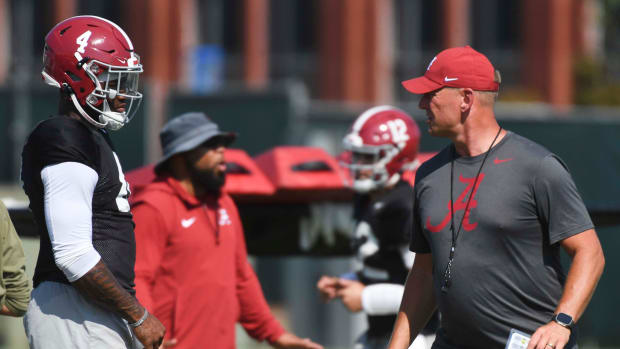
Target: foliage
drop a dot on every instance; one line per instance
(592, 86)
(520, 94)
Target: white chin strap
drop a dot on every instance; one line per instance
(364, 186)
(111, 120)
(85, 114)
(112, 123)
(367, 185)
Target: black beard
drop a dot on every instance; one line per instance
(207, 179)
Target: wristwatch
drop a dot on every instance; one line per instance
(564, 320)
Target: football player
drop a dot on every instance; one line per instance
(84, 277)
(383, 143)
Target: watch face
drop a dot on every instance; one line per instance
(564, 319)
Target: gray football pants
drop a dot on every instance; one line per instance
(58, 317)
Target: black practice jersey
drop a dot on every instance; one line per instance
(383, 226)
(63, 139)
(382, 235)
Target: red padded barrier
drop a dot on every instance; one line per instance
(303, 174)
(244, 177)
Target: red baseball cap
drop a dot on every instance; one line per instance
(456, 67)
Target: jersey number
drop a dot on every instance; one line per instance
(123, 194)
(398, 128)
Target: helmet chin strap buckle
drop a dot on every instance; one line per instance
(81, 62)
(66, 88)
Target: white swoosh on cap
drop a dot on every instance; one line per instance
(446, 79)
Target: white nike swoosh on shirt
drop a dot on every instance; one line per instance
(186, 223)
(449, 79)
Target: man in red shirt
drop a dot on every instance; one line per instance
(191, 260)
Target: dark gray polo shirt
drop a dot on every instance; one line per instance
(506, 271)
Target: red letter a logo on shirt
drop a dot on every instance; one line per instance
(460, 204)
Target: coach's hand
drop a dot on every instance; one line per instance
(550, 336)
(350, 292)
(291, 341)
(150, 333)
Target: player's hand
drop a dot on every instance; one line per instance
(150, 333)
(350, 292)
(168, 343)
(550, 336)
(327, 287)
(291, 341)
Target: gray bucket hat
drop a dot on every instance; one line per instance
(187, 131)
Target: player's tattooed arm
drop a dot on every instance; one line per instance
(101, 287)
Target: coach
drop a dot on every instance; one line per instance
(491, 212)
(191, 261)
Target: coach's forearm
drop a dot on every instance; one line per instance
(401, 335)
(101, 287)
(418, 303)
(584, 273)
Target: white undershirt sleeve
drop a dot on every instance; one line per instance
(408, 256)
(382, 299)
(68, 194)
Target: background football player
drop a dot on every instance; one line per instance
(383, 143)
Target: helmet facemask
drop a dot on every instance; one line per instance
(367, 167)
(113, 84)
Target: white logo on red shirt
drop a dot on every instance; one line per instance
(186, 223)
(224, 218)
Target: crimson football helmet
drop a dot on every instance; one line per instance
(383, 142)
(93, 60)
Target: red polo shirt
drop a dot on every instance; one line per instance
(192, 270)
